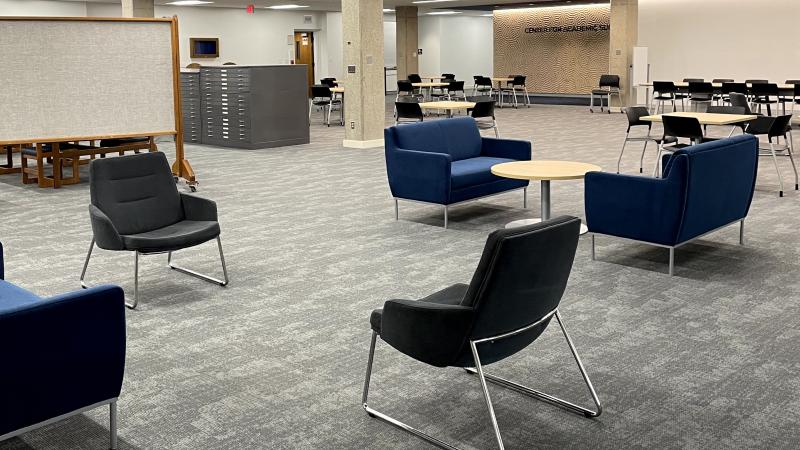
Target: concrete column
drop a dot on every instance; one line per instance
(407, 41)
(624, 35)
(364, 103)
(138, 8)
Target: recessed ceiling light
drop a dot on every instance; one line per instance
(487, 15)
(188, 2)
(443, 13)
(431, 1)
(286, 7)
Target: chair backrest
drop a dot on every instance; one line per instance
(664, 87)
(714, 197)
(455, 86)
(723, 80)
(408, 110)
(701, 87)
(330, 82)
(727, 88)
(682, 127)
(792, 81)
(797, 90)
(693, 80)
(482, 81)
(404, 86)
(739, 99)
(725, 109)
(483, 108)
(458, 137)
(764, 89)
(321, 91)
(521, 277)
(448, 76)
(635, 114)
(608, 80)
(756, 81)
(414, 78)
(136, 192)
(780, 125)
(519, 80)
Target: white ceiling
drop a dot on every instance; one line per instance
(336, 5)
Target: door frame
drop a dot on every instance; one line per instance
(296, 43)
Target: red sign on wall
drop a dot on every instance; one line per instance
(251, 9)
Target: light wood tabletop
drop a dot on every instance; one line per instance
(430, 85)
(337, 90)
(544, 170)
(705, 118)
(501, 79)
(434, 77)
(447, 104)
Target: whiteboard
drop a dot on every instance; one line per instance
(85, 78)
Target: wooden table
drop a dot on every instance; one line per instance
(685, 85)
(430, 86)
(705, 118)
(448, 105)
(544, 171)
(435, 77)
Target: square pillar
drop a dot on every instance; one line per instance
(364, 98)
(138, 8)
(407, 41)
(624, 36)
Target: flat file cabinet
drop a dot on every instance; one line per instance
(254, 106)
(190, 105)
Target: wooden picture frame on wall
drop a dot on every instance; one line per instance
(198, 47)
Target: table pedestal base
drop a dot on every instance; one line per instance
(523, 222)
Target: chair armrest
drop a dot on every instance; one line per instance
(417, 175)
(506, 148)
(67, 352)
(105, 233)
(198, 208)
(634, 207)
(429, 332)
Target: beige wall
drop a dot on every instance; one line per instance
(554, 61)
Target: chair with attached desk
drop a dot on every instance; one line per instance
(774, 128)
(695, 197)
(447, 162)
(514, 294)
(608, 86)
(62, 356)
(634, 115)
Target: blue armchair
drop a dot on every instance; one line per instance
(446, 162)
(704, 188)
(62, 355)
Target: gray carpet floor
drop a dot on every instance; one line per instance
(705, 359)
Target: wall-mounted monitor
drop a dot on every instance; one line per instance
(204, 47)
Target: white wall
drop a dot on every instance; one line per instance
(709, 39)
(460, 45)
(389, 44)
(41, 8)
(259, 38)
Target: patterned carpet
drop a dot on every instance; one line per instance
(705, 359)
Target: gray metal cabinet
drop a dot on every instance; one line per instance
(254, 106)
(190, 104)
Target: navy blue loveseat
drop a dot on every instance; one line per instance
(445, 162)
(704, 187)
(59, 356)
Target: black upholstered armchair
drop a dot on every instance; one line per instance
(513, 296)
(135, 206)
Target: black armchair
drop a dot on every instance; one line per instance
(514, 294)
(135, 206)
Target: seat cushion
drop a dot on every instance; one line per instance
(184, 234)
(452, 295)
(474, 171)
(12, 297)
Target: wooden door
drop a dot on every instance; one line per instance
(304, 53)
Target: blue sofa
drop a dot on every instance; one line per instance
(446, 162)
(704, 187)
(60, 356)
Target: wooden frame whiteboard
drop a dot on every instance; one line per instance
(86, 78)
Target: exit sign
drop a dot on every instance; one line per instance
(251, 9)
